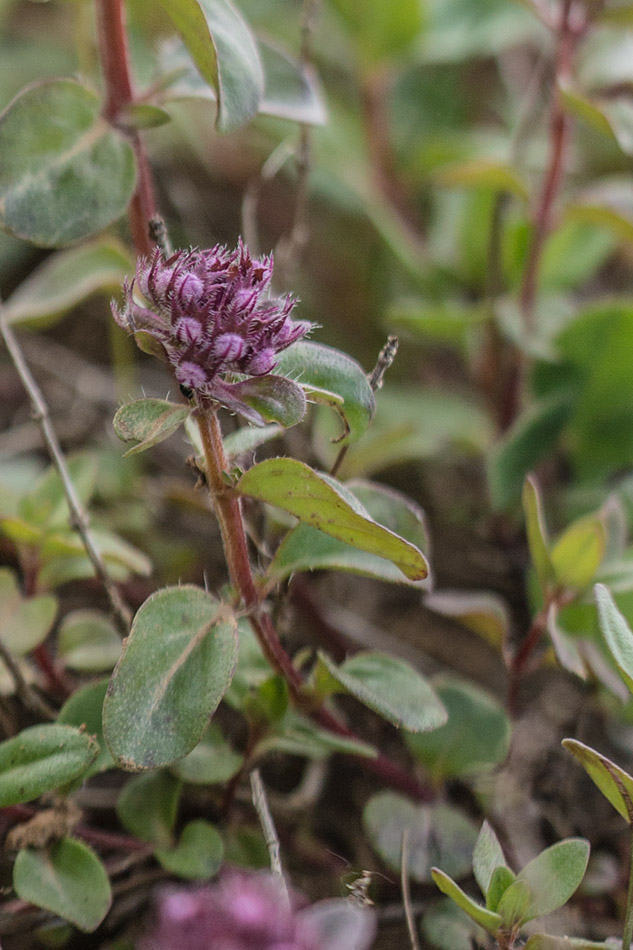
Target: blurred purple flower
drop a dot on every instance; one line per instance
(210, 314)
(249, 911)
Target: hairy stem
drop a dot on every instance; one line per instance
(228, 511)
(115, 62)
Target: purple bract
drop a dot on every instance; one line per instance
(211, 314)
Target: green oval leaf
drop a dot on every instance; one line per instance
(308, 549)
(263, 399)
(225, 52)
(24, 621)
(67, 879)
(42, 758)
(391, 687)
(436, 833)
(65, 279)
(65, 173)
(487, 857)
(615, 784)
(148, 422)
(475, 738)
(212, 762)
(148, 805)
(552, 877)
(487, 919)
(531, 438)
(577, 553)
(324, 503)
(84, 710)
(616, 632)
(324, 368)
(198, 855)
(291, 89)
(176, 666)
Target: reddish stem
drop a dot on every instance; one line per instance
(229, 514)
(100, 839)
(559, 125)
(115, 62)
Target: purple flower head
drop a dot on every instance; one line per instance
(247, 910)
(211, 314)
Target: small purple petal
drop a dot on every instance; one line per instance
(229, 347)
(262, 362)
(191, 375)
(188, 330)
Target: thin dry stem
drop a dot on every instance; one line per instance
(406, 891)
(78, 516)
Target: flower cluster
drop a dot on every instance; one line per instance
(249, 911)
(210, 314)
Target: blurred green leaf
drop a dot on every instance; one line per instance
(532, 437)
(66, 174)
(483, 612)
(67, 879)
(212, 762)
(616, 632)
(577, 553)
(436, 834)
(87, 641)
(538, 542)
(198, 854)
(84, 710)
(475, 738)
(483, 173)
(225, 52)
(65, 279)
(147, 807)
(24, 621)
(380, 31)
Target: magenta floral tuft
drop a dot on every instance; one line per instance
(211, 314)
(248, 910)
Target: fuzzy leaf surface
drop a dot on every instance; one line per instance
(552, 877)
(148, 422)
(177, 664)
(391, 687)
(66, 174)
(325, 368)
(307, 549)
(615, 784)
(40, 759)
(326, 504)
